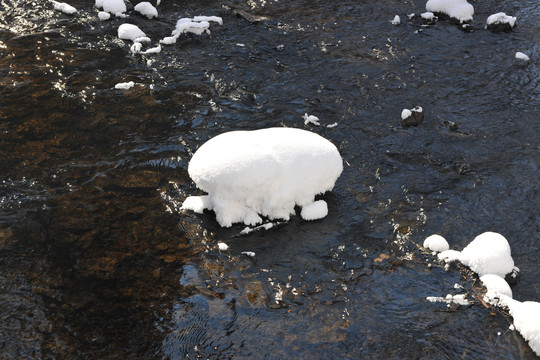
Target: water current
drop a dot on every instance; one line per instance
(97, 262)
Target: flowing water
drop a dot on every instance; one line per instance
(97, 262)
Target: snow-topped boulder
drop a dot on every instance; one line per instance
(500, 22)
(458, 10)
(263, 172)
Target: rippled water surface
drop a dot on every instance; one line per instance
(97, 262)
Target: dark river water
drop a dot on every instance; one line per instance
(97, 262)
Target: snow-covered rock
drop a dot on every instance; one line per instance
(146, 9)
(198, 25)
(396, 20)
(496, 287)
(459, 10)
(64, 7)
(412, 117)
(522, 56)
(103, 15)
(436, 243)
(500, 22)
(488, 253)
(130, 32)
(112, 6)
(124, 85)
(263, 172)
(526, 317)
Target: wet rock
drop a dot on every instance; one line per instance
(412, 117)
(451, 125)
(513, 277)
(250, 17)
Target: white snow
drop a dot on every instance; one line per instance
(436, 243)
(146, 9)
(332, 125)
(501, 18)
(315, 210)
(458, 9)
(496, 286)
(522, 56)
(222, 246)
(99, 4)
(396, 20)
(526, 317)
(209, 18)
(112, 6)
(405, 113)
(198, 25)
(310, 119)
(130, 32)
(124, 85)
(428, 15)
(266, 172)
(63, 7)
(154, 50)
(488, 253)
(249, 253)
(449, 299)
(103, 15)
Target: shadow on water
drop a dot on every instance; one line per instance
(98, 262)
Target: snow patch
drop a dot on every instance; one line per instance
(63, 7)
(501, 18)
(457, 9)
(112, 6)
(450, 299)
(146, 9)
(436, 243)
(103, 15)
(130, 32)
(310, 119)
(396, 20)
(266, 172)
(124, 85)
(522, 56)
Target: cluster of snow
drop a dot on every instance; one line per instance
(146, 9)
(396, 20)
(428, 16)
(522, 56)
(489, 255)
(103, 15)
(501, 18)
(266, 172)
(436, 243)
(460, 10)
(131, 32)
(63, 7)
(222, 246)
(197, 25)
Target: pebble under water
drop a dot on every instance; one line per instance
(97, 262)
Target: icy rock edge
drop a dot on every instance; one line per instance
(263, 172)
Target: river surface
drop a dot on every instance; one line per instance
(97, 262)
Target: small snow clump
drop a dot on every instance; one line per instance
(198, 25)
(457, 9)
(222, 246)
(501, 18)
(436, 243)
(103, 15)
(396, 20)
(146, 9)
(496, 286)
(130, 32)
(522, 56)
(310, 119)
(124, 85)
(266, 172)
(63, 7)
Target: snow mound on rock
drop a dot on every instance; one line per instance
(263, 172)
(460, 10)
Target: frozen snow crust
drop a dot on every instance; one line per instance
(263, 172)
